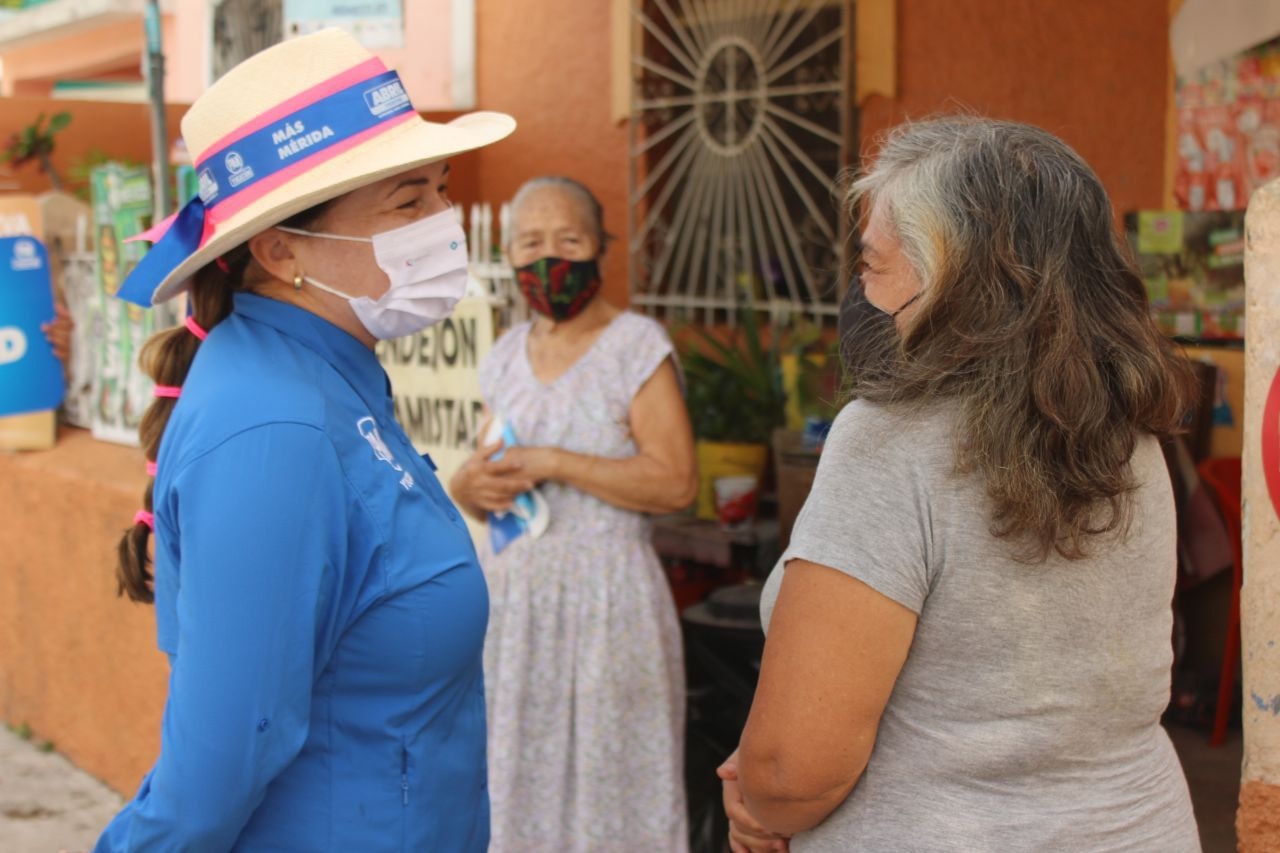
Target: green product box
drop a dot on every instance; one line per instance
(122, 208)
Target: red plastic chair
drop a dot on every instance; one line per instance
(1223, 477)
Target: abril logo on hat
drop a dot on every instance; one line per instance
(30, 374)
(386, 98)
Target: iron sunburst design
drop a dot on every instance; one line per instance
(738, 134)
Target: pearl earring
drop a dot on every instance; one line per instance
(297, 281)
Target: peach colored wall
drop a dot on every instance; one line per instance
(1094, 72)
(110, 49)
(186, 46)
(77, 664)
(424, 63)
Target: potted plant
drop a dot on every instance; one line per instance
(34, 143)
(736, 400)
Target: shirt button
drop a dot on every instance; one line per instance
(264, 724)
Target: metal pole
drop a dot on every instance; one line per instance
(154, 67)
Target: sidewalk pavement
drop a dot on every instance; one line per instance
(46, 803)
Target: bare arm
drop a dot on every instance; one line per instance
(834, 651)
(661, 477)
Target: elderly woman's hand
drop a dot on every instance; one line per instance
(537, 464)
(484, 484)
(745, 834)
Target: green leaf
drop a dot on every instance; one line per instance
(58, 122)
(733, 386)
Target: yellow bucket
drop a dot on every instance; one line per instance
(725, 459)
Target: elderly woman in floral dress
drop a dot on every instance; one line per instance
(582, 661)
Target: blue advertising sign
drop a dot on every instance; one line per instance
(30, 374)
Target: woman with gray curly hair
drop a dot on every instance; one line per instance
(969, 635)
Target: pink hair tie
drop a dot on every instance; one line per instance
(194, 328)
(170, 391)
(144, 517)
(152, 468)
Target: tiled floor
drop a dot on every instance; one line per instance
(1213, 774)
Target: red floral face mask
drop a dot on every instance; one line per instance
(557, 288)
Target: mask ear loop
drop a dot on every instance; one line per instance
(906, 305)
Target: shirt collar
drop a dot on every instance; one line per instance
(356, 362)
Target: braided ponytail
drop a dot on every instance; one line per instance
(166, 358)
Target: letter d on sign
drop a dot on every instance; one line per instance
(13, 344)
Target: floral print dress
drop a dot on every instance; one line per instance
(583, 665)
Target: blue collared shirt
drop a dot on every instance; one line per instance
(320, 601)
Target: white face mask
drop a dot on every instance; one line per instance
(426, 262)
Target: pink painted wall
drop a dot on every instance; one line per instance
(425, 62)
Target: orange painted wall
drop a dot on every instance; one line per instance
(77, 664)
(119, 130)
(1095, 72)
(547, 62)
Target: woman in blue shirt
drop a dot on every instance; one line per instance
(316, 592)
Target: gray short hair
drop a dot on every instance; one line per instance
(586, 200)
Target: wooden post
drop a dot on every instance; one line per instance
(1258, 821)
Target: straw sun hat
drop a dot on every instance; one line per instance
(298, 124)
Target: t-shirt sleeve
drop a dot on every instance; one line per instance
(867, 514)
(262, 524)
(649, 348)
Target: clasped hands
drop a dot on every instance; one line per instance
(746, 835)
(492, 484)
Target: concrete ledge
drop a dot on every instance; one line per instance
(77, 663)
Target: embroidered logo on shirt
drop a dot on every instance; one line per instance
(368, 428)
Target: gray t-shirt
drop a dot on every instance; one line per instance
(1026, 716)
